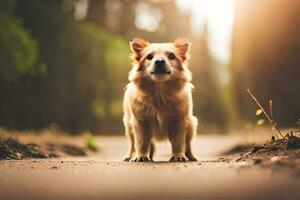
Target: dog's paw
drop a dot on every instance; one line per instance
(178, 159)
(127, 158)
(140, 159)
(191, 158)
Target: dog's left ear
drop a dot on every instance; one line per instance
(183, 46)
(137, 45)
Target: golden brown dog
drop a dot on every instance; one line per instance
(158, 100)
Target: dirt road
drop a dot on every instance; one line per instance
(103, 176)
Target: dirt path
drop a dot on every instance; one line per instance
(104, 177)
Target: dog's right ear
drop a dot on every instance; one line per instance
(183, 45)
(137, 45)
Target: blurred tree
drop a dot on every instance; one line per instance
(173, 24)
(87, 70)
(265, 57)
(116, 16)
(103, 64)
(84, 44)
(19, 51)
(208, 103)
(97, 12)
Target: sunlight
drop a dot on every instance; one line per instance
(149, 18)
(218, 15)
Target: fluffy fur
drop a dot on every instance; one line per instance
(158, 106)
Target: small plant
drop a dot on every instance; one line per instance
(269, 117)
(90, 142)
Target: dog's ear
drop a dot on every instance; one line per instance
(137, 45)
(183, 46)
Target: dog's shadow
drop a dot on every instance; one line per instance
(165, 162)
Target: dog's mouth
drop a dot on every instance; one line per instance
(160, 73)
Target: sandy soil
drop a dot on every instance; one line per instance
(103, 176)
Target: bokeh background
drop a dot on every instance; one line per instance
(65, 62)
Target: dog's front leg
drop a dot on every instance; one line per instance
(143, 134)
(177, 135)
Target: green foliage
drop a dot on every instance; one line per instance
(104, 64)
(90, 142)
(116, 107)
(98, 108)
(19, 51)
(7, 6)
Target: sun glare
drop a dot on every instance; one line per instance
(149, 18)
(218, 15)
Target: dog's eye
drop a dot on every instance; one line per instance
(171, 56)
(149, 56)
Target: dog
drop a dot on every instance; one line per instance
(158, 100)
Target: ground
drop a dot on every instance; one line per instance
(102, 175)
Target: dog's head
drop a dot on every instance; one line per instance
(160, 62)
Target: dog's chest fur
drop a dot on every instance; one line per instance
(159, 102)
(159, 106)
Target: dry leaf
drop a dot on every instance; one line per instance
(258, 112)
(260, 122)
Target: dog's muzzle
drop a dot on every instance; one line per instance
(160, 67)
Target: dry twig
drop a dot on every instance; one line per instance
(272, 118)
(266, 114)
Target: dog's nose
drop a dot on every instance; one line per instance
(160, 66)
(160, 62)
